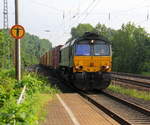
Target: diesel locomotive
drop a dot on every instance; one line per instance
(86, 61)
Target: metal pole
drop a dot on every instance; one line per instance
(5, 28)
(17, 45)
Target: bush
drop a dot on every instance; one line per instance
(10, 89)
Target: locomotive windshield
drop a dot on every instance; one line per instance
(83, 50)
(97, 48)
(101, 50)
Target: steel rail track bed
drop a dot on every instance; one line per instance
(132, 82)
(131, 75)
(131, 79)
(122, 111)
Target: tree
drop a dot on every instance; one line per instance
(104, 31)
(81, 29)
(31, 49)
(5, 49)
(129, 49)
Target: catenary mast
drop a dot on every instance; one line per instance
(5, 14)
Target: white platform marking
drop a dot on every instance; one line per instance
(70, 113)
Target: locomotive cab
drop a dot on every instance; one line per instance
(86, 61)
(92, 64)
(92, 56)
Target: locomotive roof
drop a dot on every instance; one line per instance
(91, 36)
(86, 36)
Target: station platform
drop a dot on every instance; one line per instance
(72, 109)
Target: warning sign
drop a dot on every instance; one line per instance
(17, 31)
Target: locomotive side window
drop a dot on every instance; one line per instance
(82, 50)
(101, 50)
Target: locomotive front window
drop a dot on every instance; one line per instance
(83, 50)
(101, 50)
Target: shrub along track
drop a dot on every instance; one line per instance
(138, 82)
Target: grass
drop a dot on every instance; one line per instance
(40, 106)
(41, 98)
(146, 73)
(130, 92)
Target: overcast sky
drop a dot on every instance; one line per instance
(59, 16)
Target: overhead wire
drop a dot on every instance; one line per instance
(84, 14)
(86, 10)
(89, 6)
(45, 5)
(57, 11)
(96, 3)
(79, 15)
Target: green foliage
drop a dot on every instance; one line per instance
(7, 73)
(32, 47)
(146, 73)
(81, 29)
(104, 31)
(129, 47)
(23, 114)
(6, 45)
(6, 85)
(10, 89)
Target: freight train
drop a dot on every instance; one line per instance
(85, 61)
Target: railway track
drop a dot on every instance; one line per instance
(131, 75)
(123, 111)
(138, 80)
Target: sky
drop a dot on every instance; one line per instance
(53, 19)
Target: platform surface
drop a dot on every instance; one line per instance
(71, 109)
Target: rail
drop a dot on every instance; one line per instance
(131, 75)
(118, 117)
(139, 80)
(97, 98)
(87, 97)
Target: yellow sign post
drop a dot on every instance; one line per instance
(17, 31)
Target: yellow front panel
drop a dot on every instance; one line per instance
(91, 63)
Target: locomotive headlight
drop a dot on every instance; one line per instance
(92, 41)
(78, 67)
(107, 67)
